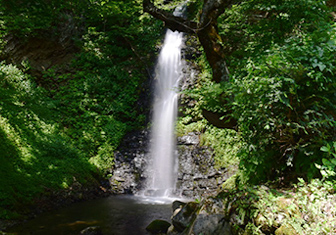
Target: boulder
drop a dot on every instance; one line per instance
(185, 216)
(213, 224)
(158, 226)
(177, 204)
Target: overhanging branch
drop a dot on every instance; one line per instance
(172, 22)
(207, 32)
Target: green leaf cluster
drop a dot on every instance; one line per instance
(64, 126)
(35, 156)
(285, 104)
(282, 88)
(307, 208)
(328, 166)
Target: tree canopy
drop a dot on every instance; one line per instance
(273, 73)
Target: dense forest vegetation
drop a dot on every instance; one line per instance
(74, 79)
(64, 113)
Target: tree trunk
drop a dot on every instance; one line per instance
(207, 32)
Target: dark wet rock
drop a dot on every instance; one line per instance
(177, 204)
(131, 159)
(184, 216)
(93, 230)
(206, 217)
(213, 224)
(196, 175)
(51, 48)
(158, 226)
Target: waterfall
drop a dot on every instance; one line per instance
(169, 67)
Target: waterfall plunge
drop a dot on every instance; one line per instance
(169, 68)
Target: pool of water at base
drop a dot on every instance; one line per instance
(116, 215)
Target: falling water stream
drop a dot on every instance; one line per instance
(163, 168)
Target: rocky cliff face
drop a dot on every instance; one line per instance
(52, 48)
(197, 175)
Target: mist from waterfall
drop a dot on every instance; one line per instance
(168, 72)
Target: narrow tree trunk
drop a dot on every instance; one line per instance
(207, 32)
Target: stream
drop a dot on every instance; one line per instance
(117, 215)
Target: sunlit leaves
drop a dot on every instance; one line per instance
(283, 83)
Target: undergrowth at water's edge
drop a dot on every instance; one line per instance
(36, 155)
(305, 208)
(62, 125)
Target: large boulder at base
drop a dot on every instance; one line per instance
(214, 224)
(158, 226)
(206, 218)
(184, 216)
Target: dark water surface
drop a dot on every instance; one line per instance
(116, 215)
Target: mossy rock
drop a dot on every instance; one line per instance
(158, 226)
(286, 229)
(288, 206)
(177, 204)
(230, 183)
(183, 217)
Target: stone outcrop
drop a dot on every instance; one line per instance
(158, 227)
(129, 170)
(196, 218)
(50, 48)
(197, 175)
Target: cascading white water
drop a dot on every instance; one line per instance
(163, 145)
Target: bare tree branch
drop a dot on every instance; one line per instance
(171, 21)
(206, 31)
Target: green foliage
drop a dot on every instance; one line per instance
(252, 26)
(285, 104)
(308, 208)
(67, 128)
(99, 102)
(225, 144)
(26, 17)
(328, 166)
(316, 202)
(282, 89)
(35, 156)
(185, 126)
